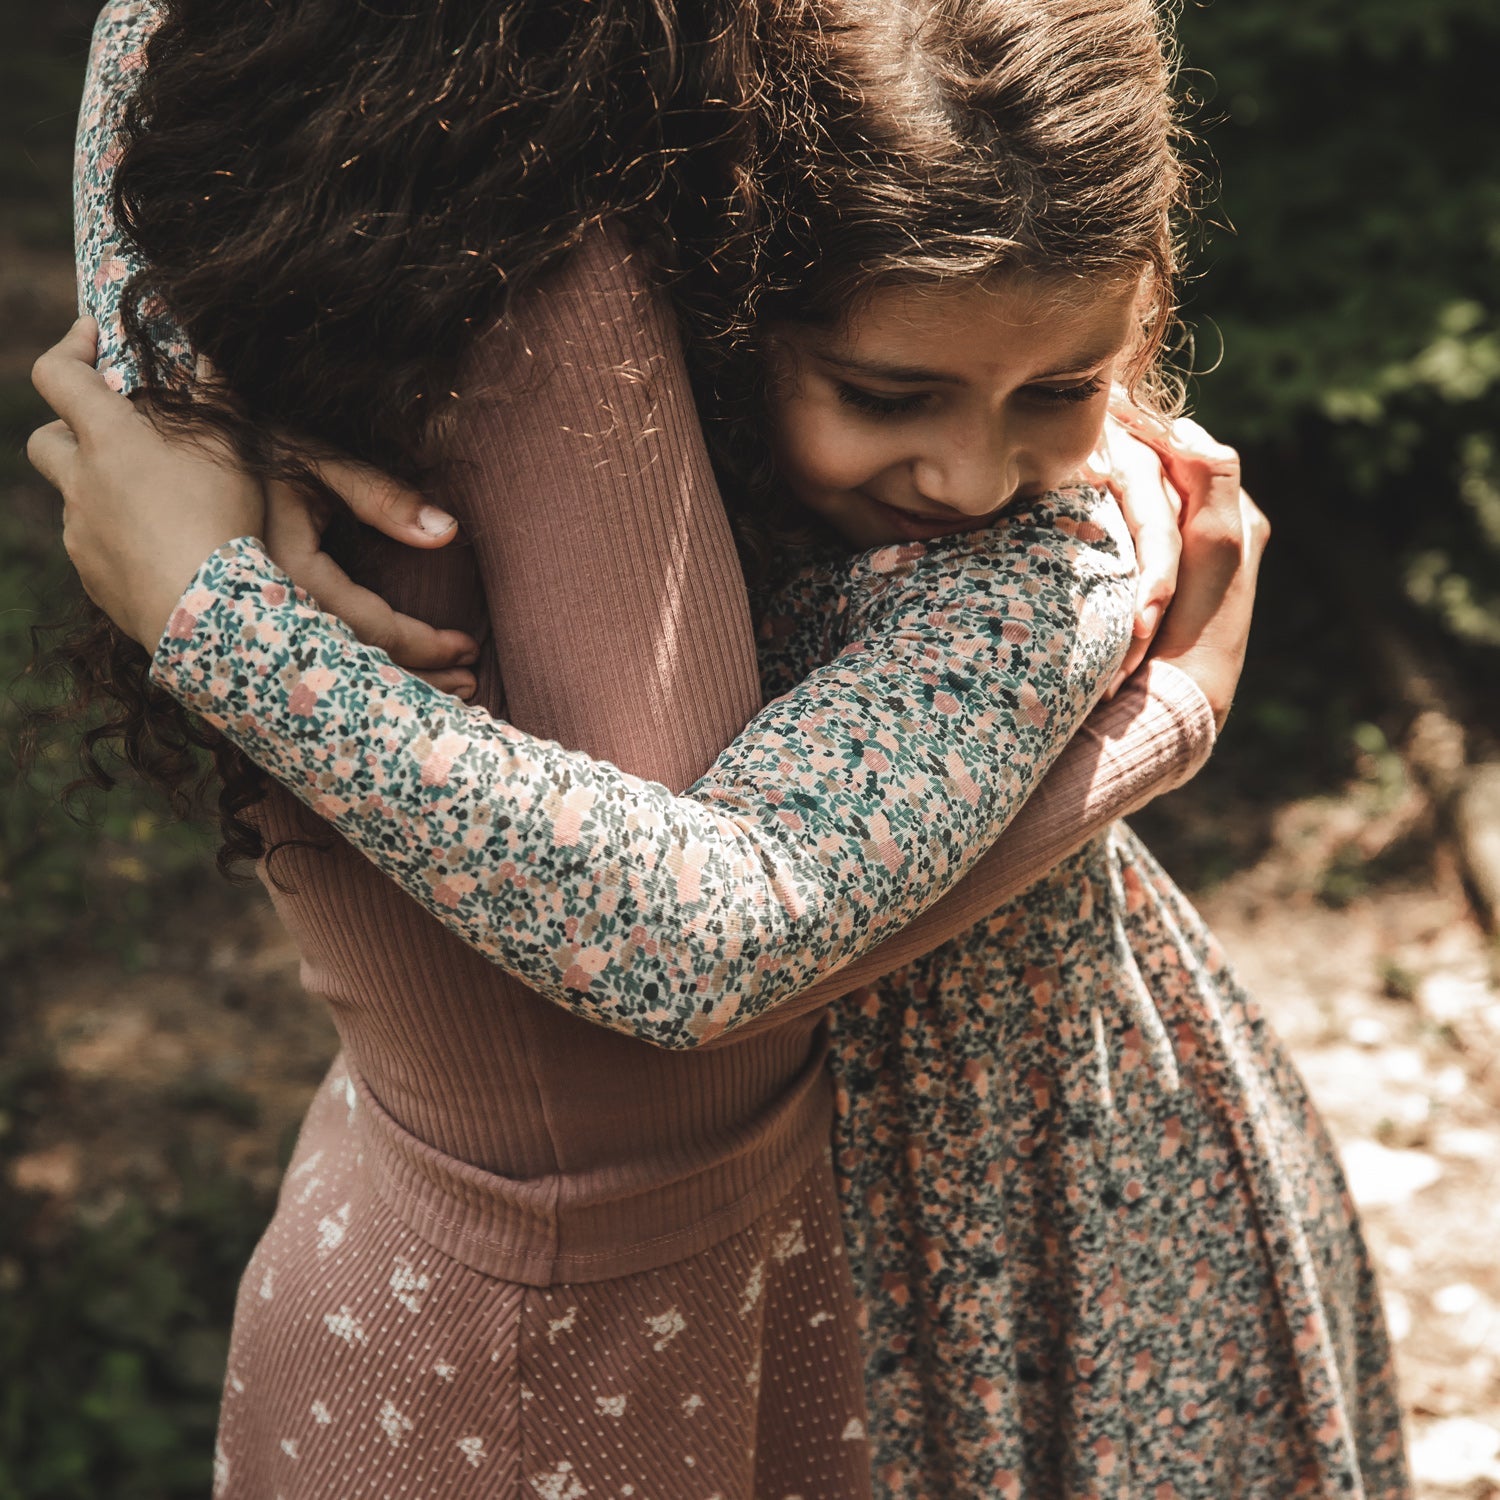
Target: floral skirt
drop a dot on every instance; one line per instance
(1103, 1241)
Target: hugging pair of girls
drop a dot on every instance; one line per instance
(603, 1197)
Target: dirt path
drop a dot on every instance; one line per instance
(1390, 1009)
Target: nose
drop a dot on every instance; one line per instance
(972, 468)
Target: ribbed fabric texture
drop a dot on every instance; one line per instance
(579, 1142)
(618, 614)
(580, 447)
(366, 1363)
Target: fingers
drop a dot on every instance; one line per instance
(1181, 437)
(385, 503)
(1257, 525)
(1151, 512)
(65, 378)
(1208, 629)
(457, 681)
(409, 642)
(1140, 646)
(294, 532)
(1158, 550)
(1202, 468)
(294, 524)
(52, 451)
(1204, 472)
(1151, 428)
(1223, 536)
(1187, 437)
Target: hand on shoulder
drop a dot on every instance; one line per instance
(1224, 533)
(144, 505)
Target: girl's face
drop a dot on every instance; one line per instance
(933, 408)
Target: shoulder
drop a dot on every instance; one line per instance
(799, 622)
(1060, 541)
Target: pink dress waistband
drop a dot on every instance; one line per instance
(592, 1226)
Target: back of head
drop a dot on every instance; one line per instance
(335, 199)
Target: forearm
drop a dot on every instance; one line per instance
(847, 806)
(1152, 737)
(638, 910)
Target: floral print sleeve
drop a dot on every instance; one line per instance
(847, 806)
(105, 262)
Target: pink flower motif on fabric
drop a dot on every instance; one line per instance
(437, 764)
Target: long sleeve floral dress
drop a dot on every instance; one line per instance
(1101, 1238)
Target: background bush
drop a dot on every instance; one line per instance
(90, 881)
(1349, 304)
(1353, 308)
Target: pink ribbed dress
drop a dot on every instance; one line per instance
(517, 1253)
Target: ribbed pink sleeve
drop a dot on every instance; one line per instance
(617, 605)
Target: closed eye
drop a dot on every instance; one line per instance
(874, 404)
(1083, 390)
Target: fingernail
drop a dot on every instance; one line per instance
(435, 522)
(1149, 616)
(469, 658)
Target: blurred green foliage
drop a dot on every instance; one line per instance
(90, 872)
(90, 875)
(113, 1328)
(41, 70)
(113, 1331)
(1350, 302)
(1351, 296)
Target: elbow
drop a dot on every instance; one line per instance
(683, 1030)
(681, 1041)
(681, 1020)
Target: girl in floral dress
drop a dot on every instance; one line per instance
(1100, 1237)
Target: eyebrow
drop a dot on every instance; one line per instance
(918, 375)
(911, 374)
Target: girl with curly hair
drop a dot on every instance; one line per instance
(1098, 1236)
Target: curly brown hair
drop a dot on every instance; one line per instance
(334, 200)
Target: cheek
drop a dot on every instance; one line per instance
(819, 449)
(1074, 436)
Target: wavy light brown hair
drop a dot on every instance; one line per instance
(335, 199)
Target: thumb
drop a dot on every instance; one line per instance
(65, 378)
